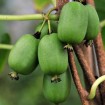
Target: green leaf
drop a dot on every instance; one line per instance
(5, 39)
(40, 4)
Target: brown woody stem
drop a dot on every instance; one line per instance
(90, 2)
(60, 4)
(82, 92)
(100, 53)
(101, 62)
(86, 69)
(84, 64)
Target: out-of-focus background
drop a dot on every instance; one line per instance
(28, 90)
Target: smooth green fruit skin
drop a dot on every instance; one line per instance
(93, 23)
(73, 22)
(53, 59)
(23, 58)
(57, 92)
(45, 28)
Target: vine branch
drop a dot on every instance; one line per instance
(82, 92)
(100, 56)
(6, 46)
(90, 2)
(84, 64)
(86, 69)
(101, 62)
(27, 17)
(94, 86)
(54, 2)
(60, 4)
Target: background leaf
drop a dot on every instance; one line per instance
(5, 39)
(103, 35)
(100, 7)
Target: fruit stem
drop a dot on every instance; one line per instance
(42, 26)
(46, 17)
(52, 9)
(49, 26)
(54, 2)
(27, 17)
(94, 87)
(6, 46)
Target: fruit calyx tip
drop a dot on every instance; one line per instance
(55, 79)
(88, 43)
(13, 76)
(37, 35)
(69, 47)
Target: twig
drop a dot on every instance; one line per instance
(60, 4)
(101, 62)
(27, 17)
(90, 2)
(54, 2)
(100, 57)
(94, 87)
(84, 64)
(6, 46)
(81, 90)
(86, 69)
(100, 54)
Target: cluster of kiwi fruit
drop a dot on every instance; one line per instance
(77, 22)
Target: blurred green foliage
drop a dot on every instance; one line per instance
(41, 4)
(4, 39)
(28, 90)
(103, 35)
(100, 7)
(2, 2)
